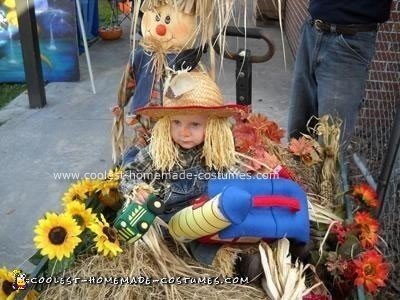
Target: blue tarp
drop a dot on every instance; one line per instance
(90, 14)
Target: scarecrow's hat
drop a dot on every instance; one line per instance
(192, 93)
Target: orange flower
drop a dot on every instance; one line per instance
(368, 239)
(266, 127)
(258, 122)
(274, 133)
(245, 137)
(244, 114)
(371, 271)
(263, 156)
(300, 147)
(368, 229)
(364, 220)
(366, 194)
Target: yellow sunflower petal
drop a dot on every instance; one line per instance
(67, 241)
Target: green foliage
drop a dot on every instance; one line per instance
(55, 266)
(105, 12)
(8, 91)
(36, 258)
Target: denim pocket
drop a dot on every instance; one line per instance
(183, 190)
(360, 45)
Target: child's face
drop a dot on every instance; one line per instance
(188, 131)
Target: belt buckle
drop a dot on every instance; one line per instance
(318, 24)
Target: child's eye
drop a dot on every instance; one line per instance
(176, 122)
(195, 124)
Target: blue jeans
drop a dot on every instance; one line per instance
(329, 77)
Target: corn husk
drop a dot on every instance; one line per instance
(288, 281)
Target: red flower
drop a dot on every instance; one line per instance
(350, 272)
(340, 232)
(368, 229)
(365, 194)
(315, 296)
(371, 271)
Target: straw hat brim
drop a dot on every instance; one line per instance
(158, 112)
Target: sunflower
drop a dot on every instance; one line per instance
(115, 175)
(365, 194)
(108, 193)
(80, 191)
(84, 217)
(7, 292)
(106, 237)
(371, 271)
(57, 235)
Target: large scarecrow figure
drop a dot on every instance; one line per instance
(174, 35)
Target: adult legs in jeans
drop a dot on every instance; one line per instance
(329, 77)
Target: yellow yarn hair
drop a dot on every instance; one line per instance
(219, 146)
(162, 148)
(218, 149)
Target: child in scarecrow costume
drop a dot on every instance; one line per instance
(175, 34)
(192, 137)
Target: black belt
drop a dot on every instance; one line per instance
(351, 29)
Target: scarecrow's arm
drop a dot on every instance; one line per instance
(138, 173)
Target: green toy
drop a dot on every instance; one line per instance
(133, 221)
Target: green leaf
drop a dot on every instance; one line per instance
(56, 266)
(90, 201)
(350, 248)
(86, 243)
(36, 258)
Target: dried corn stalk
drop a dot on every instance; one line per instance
(283, 280)
(328, 131)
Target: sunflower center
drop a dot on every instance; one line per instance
(110, 233)
(7, 287)
(79, 219)
(57, 235)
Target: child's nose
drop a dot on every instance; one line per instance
(161, 29)
(185, 131)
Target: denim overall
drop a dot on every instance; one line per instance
(181, 194)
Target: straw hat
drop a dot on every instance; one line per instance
(192, 93)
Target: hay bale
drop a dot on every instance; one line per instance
(151, 258)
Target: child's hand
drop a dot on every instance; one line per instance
(141, 196)
(116, 111)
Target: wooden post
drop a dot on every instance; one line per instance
(31, 53)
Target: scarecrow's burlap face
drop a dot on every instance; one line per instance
(174, 29)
